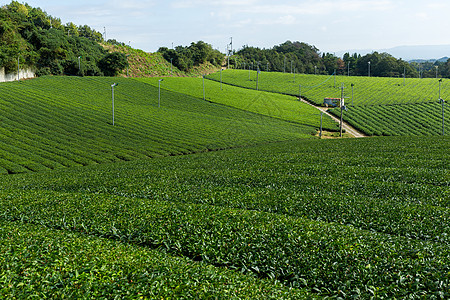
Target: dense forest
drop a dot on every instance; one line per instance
(32, 38)
(303, 58)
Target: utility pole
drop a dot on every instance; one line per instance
(348, 69)
(231, 44)
(112, 88)
(404, 76)
(18, 68)
(257, 78)
(342, 109)
(443, 107)
(321, 118)
(204, 97)
(352, 92)
(229, 51)
(159, 92)
(334, 78)
(228, 56)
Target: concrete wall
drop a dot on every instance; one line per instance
(23, 74)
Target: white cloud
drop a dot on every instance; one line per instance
(283, 20)
(322, 7)
(220, 3)
(133, 4)
(311, 7)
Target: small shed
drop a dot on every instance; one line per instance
(333, 102)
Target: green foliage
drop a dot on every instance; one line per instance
(338, 218)
(43, 263)
(112, 63)
(44, 44)
(282, 58)
(381, 65)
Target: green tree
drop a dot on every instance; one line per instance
(112, 63)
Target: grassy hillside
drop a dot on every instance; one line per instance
(269, 104)
(144, 64)
(55, 122)
(377, 106)
(340, 218)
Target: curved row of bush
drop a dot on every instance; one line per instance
(343, 218)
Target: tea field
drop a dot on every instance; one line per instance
(309, 218)
(420, 119)
(55, 122)
(265, 103)
(376, 105)
(366, 90)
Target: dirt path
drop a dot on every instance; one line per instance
(349, 129)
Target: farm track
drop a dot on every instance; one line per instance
(348, 128)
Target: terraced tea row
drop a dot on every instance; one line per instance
(39, 262)
(348, 218)
(366, 90)
(58, 122)
(377, 106)
(406, 119)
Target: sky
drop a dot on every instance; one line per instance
(330, 25)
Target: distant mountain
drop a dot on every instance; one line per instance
(443, 59)
(409, 53)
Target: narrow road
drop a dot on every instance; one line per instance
(349, 129)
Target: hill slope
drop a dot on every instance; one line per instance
(144, 64)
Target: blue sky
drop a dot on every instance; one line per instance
(330, 25)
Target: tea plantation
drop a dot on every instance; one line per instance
(376, 105)
(92, 210)
(56, 122)
(307, 218)
(269, 104)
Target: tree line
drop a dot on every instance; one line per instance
(301, 57)
(32, 38)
